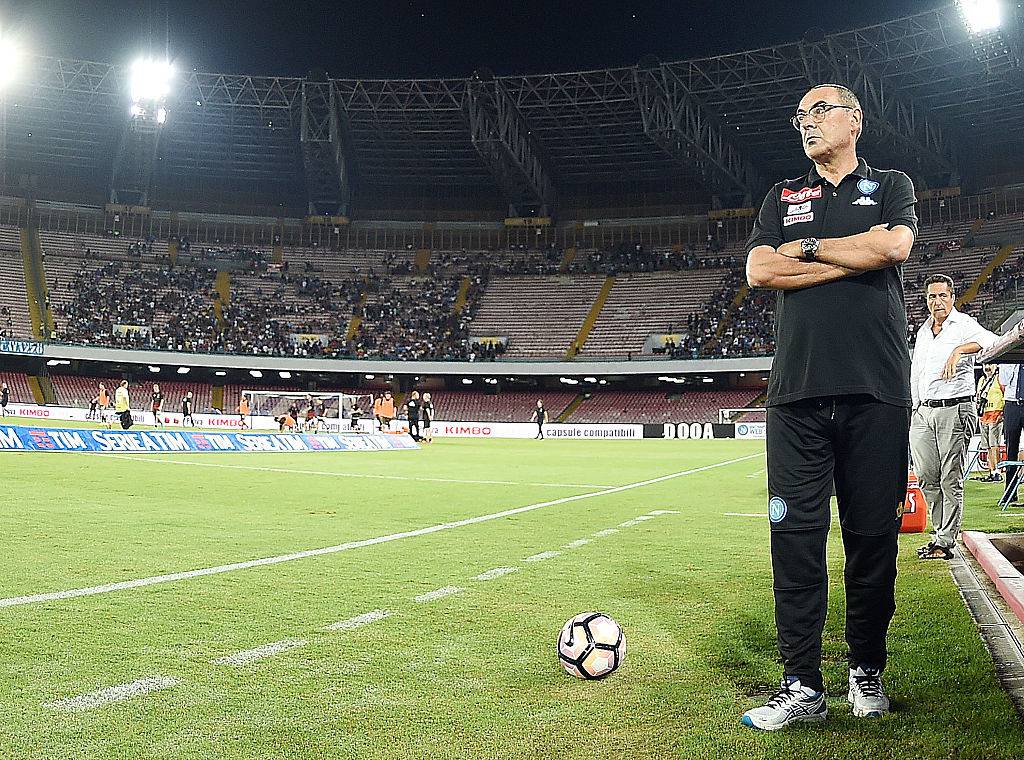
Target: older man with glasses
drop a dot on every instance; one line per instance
(832, 242)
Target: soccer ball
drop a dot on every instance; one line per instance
(591, 645)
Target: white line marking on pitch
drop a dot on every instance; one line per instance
(605, 532)
(577, 543)
(358, 621)
(113, 694)
(629, 523)
(353, 474)
(141, 582)
(657, 512)
(259, 653)
(758, 474)
(745, 514)
(497, 572)
(542, 556)
(440, 593)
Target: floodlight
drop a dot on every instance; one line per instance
(150, 80)
(982, 16)
(369, 377)
(220, 373)
(10, 61)
(153, 369)
(466, 381)
(183, 370)
(285, 375)
(255, 373)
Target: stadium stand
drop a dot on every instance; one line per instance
(77, 390)
(21, 392)
(640, 304)
(659, 407)
(511, 406)
(14, 314)
(540, 315)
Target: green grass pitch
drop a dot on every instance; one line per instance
(472, 674)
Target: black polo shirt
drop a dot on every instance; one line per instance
(849, 336)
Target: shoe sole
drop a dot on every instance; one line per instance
(862, 713)
(747, 721)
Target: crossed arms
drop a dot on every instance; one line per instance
(781, 268)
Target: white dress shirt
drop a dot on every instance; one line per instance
(931, 352)
(1008, 377)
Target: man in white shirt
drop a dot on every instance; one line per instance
(1011, 376)
(945, 417)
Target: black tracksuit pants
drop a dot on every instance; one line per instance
(860, 445)
(1013, 422)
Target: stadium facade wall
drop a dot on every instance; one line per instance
(647, 366)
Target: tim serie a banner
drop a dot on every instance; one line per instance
(159, 442)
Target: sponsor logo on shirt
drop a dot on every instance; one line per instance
(864, 201)
(800, 208)
(867, 186)
(788, 220)
(801, 195)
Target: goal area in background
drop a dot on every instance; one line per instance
(331, 406)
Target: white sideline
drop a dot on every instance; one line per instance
(497, 572)
(113, 694)
(577, 543)
(542, 556)
(746, 514)
(605, 532)
(358, 621)
(169, 577)
(370, 476)
(259, 653)
(439, 593)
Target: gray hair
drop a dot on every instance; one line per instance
(847, 97)
(945, 279)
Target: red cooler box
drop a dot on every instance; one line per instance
(915, 510)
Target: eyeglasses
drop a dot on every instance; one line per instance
(817, 114)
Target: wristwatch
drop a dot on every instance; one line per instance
(809, 247)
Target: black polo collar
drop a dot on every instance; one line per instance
(863, 171)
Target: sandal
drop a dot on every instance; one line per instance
(936, 552)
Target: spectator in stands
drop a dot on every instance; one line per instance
(945, 416)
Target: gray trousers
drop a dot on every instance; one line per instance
(939, 437)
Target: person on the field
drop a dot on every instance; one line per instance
(991, 402)
(945, 417)
(384, 410)
(427, 412)
(93, 413)
(156, 404)
(244, 409)
(103, 397)
(831, 243)
(540, 416)
(412, 412)
(122, 406)
(186, 410)
(5, 398)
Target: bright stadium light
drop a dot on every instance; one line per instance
(10, 61)
(982, 16)
(153, 369)
(255, 373)
(220, 373)
(709, 379)
(285, 375)
(369, 377)
(150, 80)
(184, 370)
(466, 381)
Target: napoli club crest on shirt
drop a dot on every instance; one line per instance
(867, 186)
(777, 509)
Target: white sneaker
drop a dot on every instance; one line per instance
(866, 693)
(792, 703)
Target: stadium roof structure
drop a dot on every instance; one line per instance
(935, 97)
